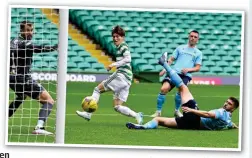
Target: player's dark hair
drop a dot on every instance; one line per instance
(195, 31)
(23, 23)
(118, 30)
(235, 101)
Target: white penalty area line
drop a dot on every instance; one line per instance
(152, 95)
(74, 114)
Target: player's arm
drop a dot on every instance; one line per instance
(126, 59)
(196, 68)
(201, 113)
(29, 46)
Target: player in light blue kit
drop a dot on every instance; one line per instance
(188, 59)
(192, 118)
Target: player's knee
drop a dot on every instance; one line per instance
(164, 89)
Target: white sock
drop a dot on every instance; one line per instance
(125, 110)
(96, 94)
(40, 123)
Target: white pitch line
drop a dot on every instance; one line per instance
(76, 115)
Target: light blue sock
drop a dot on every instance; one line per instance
(177, 101)
(160, 101)
(176, 80)
(151, 124)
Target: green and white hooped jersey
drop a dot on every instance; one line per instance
(126, 70)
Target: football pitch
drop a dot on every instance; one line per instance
(107, 127)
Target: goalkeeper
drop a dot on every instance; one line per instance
(21, 82)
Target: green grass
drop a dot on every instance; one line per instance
(22, 123)
(107, 127)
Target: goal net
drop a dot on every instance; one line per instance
(43, 70)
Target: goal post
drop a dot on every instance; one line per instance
(61, 78)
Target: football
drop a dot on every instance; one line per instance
(89, 104)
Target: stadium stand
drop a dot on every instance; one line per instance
(147, 34)
(150, 33)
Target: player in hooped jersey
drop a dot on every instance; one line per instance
(193, 118)
(120, 81)
(188, 59)
(21, 82)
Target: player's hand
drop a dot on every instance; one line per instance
(186, 109)
(109, 67)
(184, 71)
(162, 72)
(235, 126)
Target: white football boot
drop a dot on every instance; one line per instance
(83, 114)
(41, 131)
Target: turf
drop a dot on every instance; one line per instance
(107, 127)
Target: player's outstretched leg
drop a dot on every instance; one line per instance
(176, 80)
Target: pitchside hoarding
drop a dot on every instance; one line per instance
(77, 77)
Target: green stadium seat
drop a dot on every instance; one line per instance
(133, 14)
(96, 13)
(222, 64)
(83, 54)
(140, 40)
(72, 54)
(140, 29)
(71, 64)
(179, 41)
(139, 20)
(236, 64)
(83, 65)
(204, 69)
(140, 50)
(171, 16)
(158, 68)
(171, 25)
(146, 68)
(100, 18)
(74, 70)
(153, 62)
(158, 25)
(153, 40)
(108, 13)
(184, 26)
(172, 36)
(133, 45)
(146, 35)
(91, 60)
(147, 56)
(166, 40)
(126, 19)
(128, 29)
(221, 53)
(50, 59)
(160, 45)
(152, 20)
(128, 39)
(166, 30)
(201, 47)
(152, 29)
(234, 19)
(154, 51)
(213, 47)
(164, 21)
(214, 58)
(218, 43)
(209, 63)
(135, 56)
(97, 66)
(229, 23)
(228, 58)
(133, 34)
(138, 62)
(216, 69)
(77, 59)
(147, 45)
(158, 15)
(229, 70)
(184, 17)
(53, 64)
(226, 48)
(145, 15)
(234, 53)
(121, 14)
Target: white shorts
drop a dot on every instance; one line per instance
(118, 84)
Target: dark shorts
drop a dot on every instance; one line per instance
(189, 120)
(184, 78)
(25, 86)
